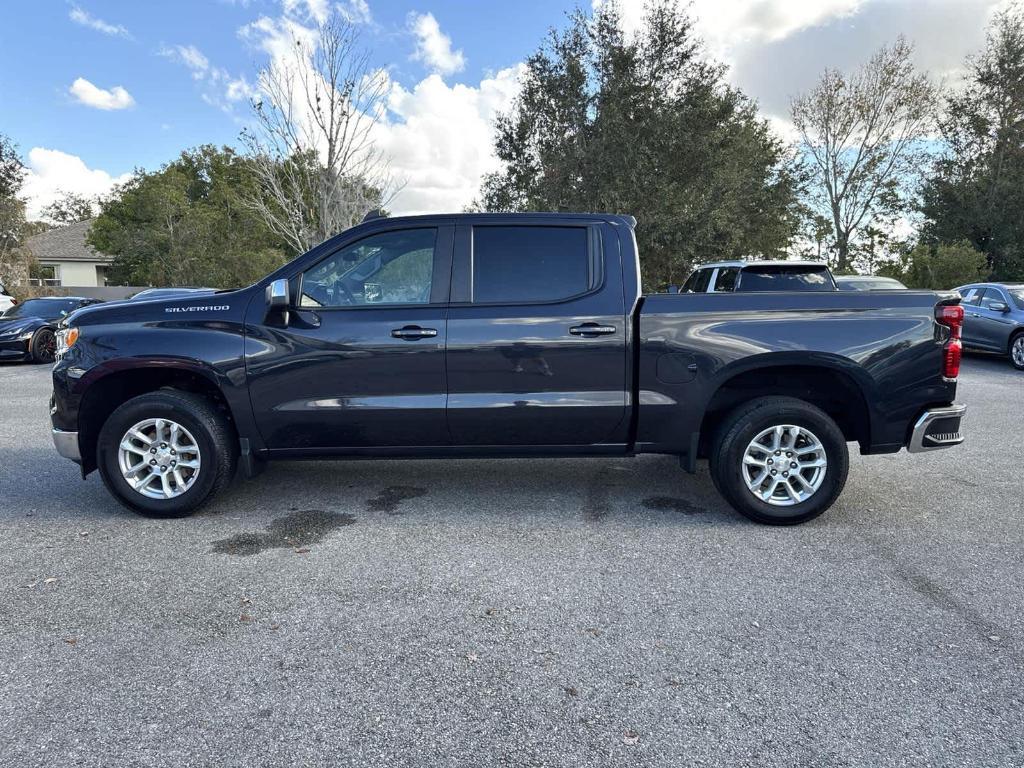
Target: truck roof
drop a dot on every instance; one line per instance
(741, 263)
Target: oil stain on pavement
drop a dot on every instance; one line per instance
(296, 529)
(388, 499)
(673, 504)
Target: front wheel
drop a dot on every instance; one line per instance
(43, 347)
(780, 461)
(1017, 351)
(166, 453)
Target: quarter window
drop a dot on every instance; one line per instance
(389, 268)
(524, 265)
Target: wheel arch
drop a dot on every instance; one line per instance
(836, 385)
(112, 385)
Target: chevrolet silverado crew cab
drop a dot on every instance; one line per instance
(502, 335)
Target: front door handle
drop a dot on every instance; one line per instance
(592, 329)
(413, 332)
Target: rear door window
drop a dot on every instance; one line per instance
(972, 296)
(532, 264)
(782, 278)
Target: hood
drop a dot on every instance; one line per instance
(160, 309)
(12, 325)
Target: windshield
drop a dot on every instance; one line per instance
(41, 308)
(1017, 293)
(783, 278)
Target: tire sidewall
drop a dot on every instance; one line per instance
(154, 407)
(733, 485)
(35, 348)
(1013, 340)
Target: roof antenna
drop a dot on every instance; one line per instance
(376, 213)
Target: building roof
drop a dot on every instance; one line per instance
(66, 244)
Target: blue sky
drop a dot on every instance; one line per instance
(92, 89)
(50, 51)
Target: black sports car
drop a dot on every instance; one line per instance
(28, 331)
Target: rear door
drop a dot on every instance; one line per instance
(537, 335)
(972, 332)
(994, 325)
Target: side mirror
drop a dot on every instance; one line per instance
(998, 306)
(278, 295)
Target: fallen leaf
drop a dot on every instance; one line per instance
(570, 690)
(83, 533)
(275, 626)
(50, 580)
(630, 737)
(471, 657)
(302, 550)
(594, 631)
(70, 640)
(994, 638)
(245, 617)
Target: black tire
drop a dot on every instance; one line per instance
(213, 434)
(43, 347)
(744, 424)
(1013, 340)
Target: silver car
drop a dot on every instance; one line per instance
(994, 319)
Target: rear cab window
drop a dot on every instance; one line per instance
(534, 264)
(778, 277)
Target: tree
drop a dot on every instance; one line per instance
(188, 224)
(641, 124)
(313, 152)
(864, 138)
(976, 192)
(937, 267)
(69, 208)
(14, 258)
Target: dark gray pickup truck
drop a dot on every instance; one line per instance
(502, 335)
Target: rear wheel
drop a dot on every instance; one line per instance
(166, 453)
(780, 461)
(43, 347)
(1017, 351)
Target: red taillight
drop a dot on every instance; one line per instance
(951, 359)
(953, 318)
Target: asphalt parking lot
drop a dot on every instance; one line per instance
(516, 613)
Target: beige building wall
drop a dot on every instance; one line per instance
(78, 273)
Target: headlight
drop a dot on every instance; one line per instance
(66, 338)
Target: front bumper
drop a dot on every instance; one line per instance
(937, 428)
(66, 444)
(14, 348)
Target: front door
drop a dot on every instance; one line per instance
(537, 336)
(358, 359)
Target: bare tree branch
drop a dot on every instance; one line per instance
(318, 166)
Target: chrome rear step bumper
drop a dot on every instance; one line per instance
(938, 428)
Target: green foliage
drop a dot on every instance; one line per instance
(938, 267)
(69, 208)
(977, 190)
(188, 224)
(14, 257)
(644, 126)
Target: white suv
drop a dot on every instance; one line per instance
(6, 300)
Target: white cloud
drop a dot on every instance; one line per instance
(314, 10)
(219, 88)
(52, 173)
(356, 11)
(190, 56)
(86, 19)
(433, 47)
(439, 139)
(100, 98)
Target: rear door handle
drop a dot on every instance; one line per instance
(592, 329)
(413, 332)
